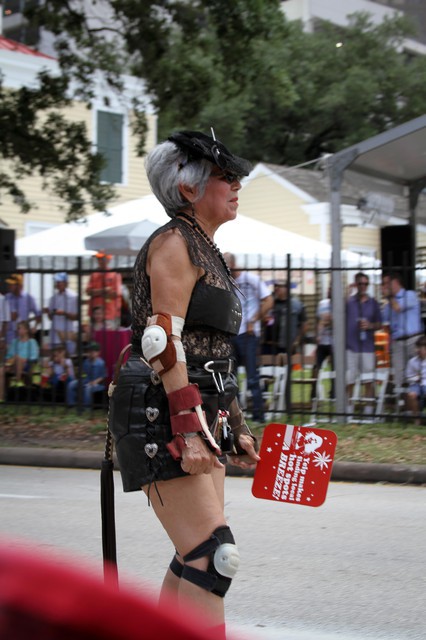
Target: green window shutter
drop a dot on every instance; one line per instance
(110, 145)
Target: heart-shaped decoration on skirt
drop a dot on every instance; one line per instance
(151, 449)
(152, 413)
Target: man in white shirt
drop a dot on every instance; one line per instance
(256, 301)
(63, 312)
(324, 340)
(22, 305)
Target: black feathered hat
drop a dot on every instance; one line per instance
(198, 145)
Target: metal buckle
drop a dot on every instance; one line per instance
(217, 380)
(155, 378)
(209, 366)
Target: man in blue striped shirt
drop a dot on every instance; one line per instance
(402, 312)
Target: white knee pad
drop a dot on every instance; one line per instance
(226, 559)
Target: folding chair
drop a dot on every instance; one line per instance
(273, 380)
(380, 378)
(322, 394)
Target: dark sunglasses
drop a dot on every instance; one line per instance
(363, 283)
(226, 176)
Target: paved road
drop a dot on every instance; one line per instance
(353, 569)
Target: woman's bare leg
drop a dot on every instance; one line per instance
(171, 581)
(218, 477)
(170, 586)
(193, 509)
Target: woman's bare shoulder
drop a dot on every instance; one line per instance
(170, 239)
(170, 251)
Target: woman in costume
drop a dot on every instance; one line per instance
(174, 413)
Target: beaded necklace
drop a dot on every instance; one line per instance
(213, 245)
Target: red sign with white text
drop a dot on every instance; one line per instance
(295, 464)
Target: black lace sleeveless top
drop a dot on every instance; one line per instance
(214, 311)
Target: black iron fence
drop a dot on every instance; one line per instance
(296, 376)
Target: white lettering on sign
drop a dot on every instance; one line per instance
(281, 470)
(290, 477)
(296, 464)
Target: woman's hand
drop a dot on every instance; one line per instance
(248, 460)
(197, 458)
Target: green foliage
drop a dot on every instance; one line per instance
(271, 91)
(35, 137)
(392, 443)
(59, 426)
(351, 92)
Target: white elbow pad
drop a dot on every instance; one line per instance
(154, 341)
(158, 347)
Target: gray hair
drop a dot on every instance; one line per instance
(167, 167)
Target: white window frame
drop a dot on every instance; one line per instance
(121, 112)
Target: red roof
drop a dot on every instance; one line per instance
(11, 45)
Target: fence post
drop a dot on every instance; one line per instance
(80, 336)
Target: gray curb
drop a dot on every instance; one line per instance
(345, 471)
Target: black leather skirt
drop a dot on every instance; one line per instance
(139, 420)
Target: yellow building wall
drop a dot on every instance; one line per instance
(264, 199)
(421, 240)
(47, 206)
(357, 238)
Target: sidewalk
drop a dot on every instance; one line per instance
(343, 471)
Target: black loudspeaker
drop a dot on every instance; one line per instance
(7, 252)
(398, 252)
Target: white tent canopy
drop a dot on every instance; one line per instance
(68, 239)
(256, 244)
(124, 240)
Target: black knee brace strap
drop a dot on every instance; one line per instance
(176, 567)
(212, 579)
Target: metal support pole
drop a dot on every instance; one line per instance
(288, 338)
(337, 166)
(337, 305)
(80, 334)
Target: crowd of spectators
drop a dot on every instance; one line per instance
(63, 362)
(275, 321)
(285, 329)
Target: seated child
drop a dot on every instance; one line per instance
(94, 375)
(97, 323)
(97, 320)
(22, 354)
(415, 375)
(60, 370)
